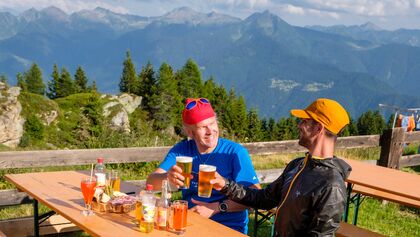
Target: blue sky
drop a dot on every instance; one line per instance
(387, 14)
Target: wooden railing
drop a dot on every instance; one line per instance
(391, 143)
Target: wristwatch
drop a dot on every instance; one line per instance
(223, 207)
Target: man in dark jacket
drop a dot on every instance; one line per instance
(310, 195)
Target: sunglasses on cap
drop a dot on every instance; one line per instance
(193, 103)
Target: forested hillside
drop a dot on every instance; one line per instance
(68, 112)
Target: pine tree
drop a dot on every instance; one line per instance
(80, 80)
(209, 89)
(128, 81)
(21, 82)
(240, 117)
(34, 81)
(53, 85)
(370, 123)
(164, 102)
(66, 85)
(93, 87)
(147, 85)
(254, 130)
(189, 80)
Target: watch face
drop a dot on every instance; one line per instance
(223, 207)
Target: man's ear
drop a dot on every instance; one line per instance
(318, 127)
(188, 131)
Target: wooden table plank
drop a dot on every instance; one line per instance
(384, 179)
(61, 192)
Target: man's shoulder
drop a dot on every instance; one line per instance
(228, 144)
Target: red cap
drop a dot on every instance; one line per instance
(200, 111)
(149, 187)
(100, 160)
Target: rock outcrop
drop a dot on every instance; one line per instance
(119, 108)
(11, 122)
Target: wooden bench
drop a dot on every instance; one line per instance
(349, 230)
(56, 224)
(385, 196)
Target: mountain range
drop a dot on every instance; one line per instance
(274, 65)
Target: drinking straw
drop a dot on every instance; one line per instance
(91, 173)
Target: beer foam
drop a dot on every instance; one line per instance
(207, 168)
(184, 159)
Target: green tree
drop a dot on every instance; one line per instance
(53, 85)
(128, 81)
(350, 130)
(254, 130)
(21, 82)
(66, 84)
(371, 123)
(164, 102)
(34, 81)
(93, 87)
(189, 80)
(80, 80)
(286, 129)
(147, 85)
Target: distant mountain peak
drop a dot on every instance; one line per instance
(188, 15)
(370, 26)
(55, 13)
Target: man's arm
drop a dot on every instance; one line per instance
(156, 178)
(209, 209)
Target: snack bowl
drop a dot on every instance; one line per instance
(122, 204)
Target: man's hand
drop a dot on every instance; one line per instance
(218, 182)
(175, 176)
(205, 209)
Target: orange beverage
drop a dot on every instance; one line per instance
(185, 163)
(178, 216)
(206, 173)
(115, 180)
(88, 189)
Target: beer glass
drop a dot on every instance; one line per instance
(115, 180)
(178, 216)
(88, 189)
(185, 163)
(205, 174)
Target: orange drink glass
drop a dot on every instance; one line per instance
(88, 189)
(178, 216)
(205, 174)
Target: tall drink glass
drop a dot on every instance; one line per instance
(205, 174)
(88, 189)
(185, 163)
(115, 180)
(178, 216)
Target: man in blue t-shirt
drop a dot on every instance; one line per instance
(205, 147)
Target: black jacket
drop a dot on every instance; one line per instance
(315, 203)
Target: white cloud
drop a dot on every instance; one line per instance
(295, 10)
(417, 3)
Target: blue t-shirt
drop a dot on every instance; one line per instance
(232, 161)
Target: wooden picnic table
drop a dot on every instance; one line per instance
(380, 182)
(384, 179)
(61, 192)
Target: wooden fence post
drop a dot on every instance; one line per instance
(392, 144)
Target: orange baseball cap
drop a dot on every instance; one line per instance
(327, 112)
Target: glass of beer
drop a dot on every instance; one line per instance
(115, 180)
(185, 163)
(178, 216)
(206, 173)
